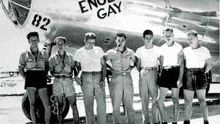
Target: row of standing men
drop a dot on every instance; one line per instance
(89, 66)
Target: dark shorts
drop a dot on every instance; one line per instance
(169, 78)
(35, 79)
(195, 80)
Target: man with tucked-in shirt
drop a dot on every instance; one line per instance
(61, 67)
(33, 67)
(148, 67)
(92, 81)
(172, 68)
(197, 65)
(121, 85)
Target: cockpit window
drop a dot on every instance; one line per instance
(25, 3)
(17, 10)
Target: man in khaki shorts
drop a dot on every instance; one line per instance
(61, 66)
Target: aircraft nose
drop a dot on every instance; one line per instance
(16, 10)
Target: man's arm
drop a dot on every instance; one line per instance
(104, 71)
(76, 75)
(50, 65)
(104, 68)
(45, 53)
(21, 66)
(181, 63)
(161, 59)
(138, 64)
(21, 71)
(78, 68)
(208, 65)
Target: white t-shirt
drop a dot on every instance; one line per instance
(170, 54)
(149, 57)
(195, 58)
(90, 59)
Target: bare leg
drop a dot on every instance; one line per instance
(59, 100)
(45, 99)
(31, 91)
(72, 100)
(188, 96)
(175, 98)
(201, 94)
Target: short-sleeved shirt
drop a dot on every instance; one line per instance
(90, 60)
(195, 58)
(29, 62)
(120, 61)
(170, 54)
(61, 66)
(148, 57)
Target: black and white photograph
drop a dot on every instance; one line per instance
(109, 62)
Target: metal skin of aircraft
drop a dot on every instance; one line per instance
(73, 18)
(6, 72)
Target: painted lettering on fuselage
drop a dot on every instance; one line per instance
(113, 7)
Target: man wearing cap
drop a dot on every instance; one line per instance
(33, 67)
(172, 68)
(197, 65)
(121, 85)
(61, 67)
(92, 81)
(148, 67)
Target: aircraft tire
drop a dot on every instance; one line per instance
(40, 108)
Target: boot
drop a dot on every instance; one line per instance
(186, 122)
(206, 122)
(174, 122)
(164, 122)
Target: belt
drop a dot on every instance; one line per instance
(92, 72)
(62, 76)
(34, 69)
(167, 68)
(122, 72)
(149, 68)
(195, 69)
